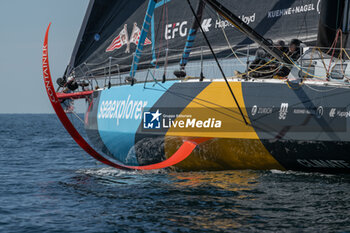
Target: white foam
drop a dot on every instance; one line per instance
(109, 171)
(299, 173)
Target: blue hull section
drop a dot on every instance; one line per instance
(120, 114)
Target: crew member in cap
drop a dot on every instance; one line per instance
(294, 53)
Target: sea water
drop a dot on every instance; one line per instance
(49, 184)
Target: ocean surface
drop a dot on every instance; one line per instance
(48, 184)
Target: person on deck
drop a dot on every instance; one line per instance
(261, 58)
(295, 49)
(294, 53)
(281, 45)
(259, 67)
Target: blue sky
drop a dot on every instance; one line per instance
(23, 24)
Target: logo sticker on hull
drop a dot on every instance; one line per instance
(158, 120)
(319, 112)
(283, 111)
(128, 109)
(339, 113)
(151, 120)
(254, 110)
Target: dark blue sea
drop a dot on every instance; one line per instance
(48, 184)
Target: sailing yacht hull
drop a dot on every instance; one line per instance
(291, 126)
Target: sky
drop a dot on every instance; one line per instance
(22, 27)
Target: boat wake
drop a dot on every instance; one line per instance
(112, 172)
(299, 173)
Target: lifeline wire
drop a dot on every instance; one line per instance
(217, 62)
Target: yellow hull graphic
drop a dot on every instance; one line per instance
(234, 146)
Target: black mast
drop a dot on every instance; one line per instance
(335, 16)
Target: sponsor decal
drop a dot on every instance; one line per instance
(293, 10)
(283, 111)
(315, 163)
(332, 112)
(265, 110)
(193, 123)
(181, 28)
(225, 23)
(302, 111)
(135, 36)
(343, 114)
(123, 39)
(128, 109)
(47, 79)
(338, 113)
(206, 25)
(157, 120)
(319, 6)
(151, 120)
(254, 110)
(261, 110)
(319, 112)
(172, 30)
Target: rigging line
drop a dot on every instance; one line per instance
(194, 98)
(77, 116)
(321, 91)
(347, 55)
(322, 59)
(341, 56)
(333, 53)
(309, 66)
(106, 23)
(262, 66)
(166, 50)
(217, 62)
(188, 97)
(311, 75)
(234, 53)
(228, 42)
(162, 34)
(250, 69)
